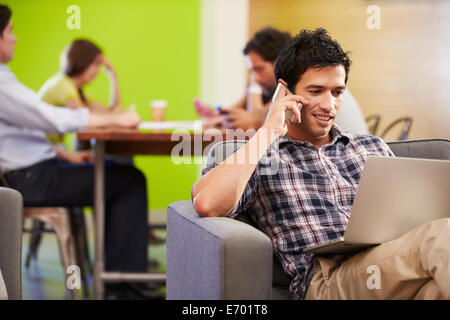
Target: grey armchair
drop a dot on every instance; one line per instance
(11, 206)
(222, 258)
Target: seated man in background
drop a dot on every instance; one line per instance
(307, 198)
(45, 177)
(249, 112)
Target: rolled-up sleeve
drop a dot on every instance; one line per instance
(247, 199)
(20, 106)
(248, 196)
(380, 147)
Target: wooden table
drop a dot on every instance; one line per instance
(129, 142)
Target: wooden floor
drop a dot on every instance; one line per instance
(45, 280)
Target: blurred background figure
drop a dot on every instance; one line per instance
(249, 112)
(79, 65)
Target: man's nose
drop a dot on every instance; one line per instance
(257, 77)
(328, 103)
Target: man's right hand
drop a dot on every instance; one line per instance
(276, 117)
(217, 192)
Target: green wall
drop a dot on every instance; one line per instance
(154, 47)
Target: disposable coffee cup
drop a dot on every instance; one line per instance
(158, 109)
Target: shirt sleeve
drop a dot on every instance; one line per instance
(248, 196)
(68, 91)
(22, 107)
(382, 147)
(247, 199)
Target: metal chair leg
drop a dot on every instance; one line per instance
(78, 225)
(35, 240)
(61, 224)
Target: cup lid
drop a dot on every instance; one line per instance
(158, 103)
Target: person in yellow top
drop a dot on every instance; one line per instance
(80, 63)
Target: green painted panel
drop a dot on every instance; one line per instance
(154, 47)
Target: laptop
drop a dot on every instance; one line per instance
(395, 195)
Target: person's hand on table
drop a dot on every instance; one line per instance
(128, 119)
(125, 119)
(213, 122)
(241, 119)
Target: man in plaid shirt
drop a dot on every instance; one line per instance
(301, 189)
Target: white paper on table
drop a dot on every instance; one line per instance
(188, 125)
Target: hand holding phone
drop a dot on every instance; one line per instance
(221, 110)
(278, 90)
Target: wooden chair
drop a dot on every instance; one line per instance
(406, 123)
(59, 219)
(372, 123)
(78, 233)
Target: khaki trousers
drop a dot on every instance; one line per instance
(414, 266)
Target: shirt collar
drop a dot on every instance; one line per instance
(336, 135)
(5, 74)
(4, 67)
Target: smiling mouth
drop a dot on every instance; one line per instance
(324, 120)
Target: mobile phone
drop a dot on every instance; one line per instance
(220, 110)
(289, 114)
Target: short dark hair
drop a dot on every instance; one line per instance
(309, 49)
(5, 16)
(267, 43)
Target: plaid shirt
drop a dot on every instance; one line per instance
(308, 199)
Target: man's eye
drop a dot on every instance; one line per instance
(315, 91)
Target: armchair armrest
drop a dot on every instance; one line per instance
(215, 258)
(11, 207)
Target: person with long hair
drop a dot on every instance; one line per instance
(80, 64)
